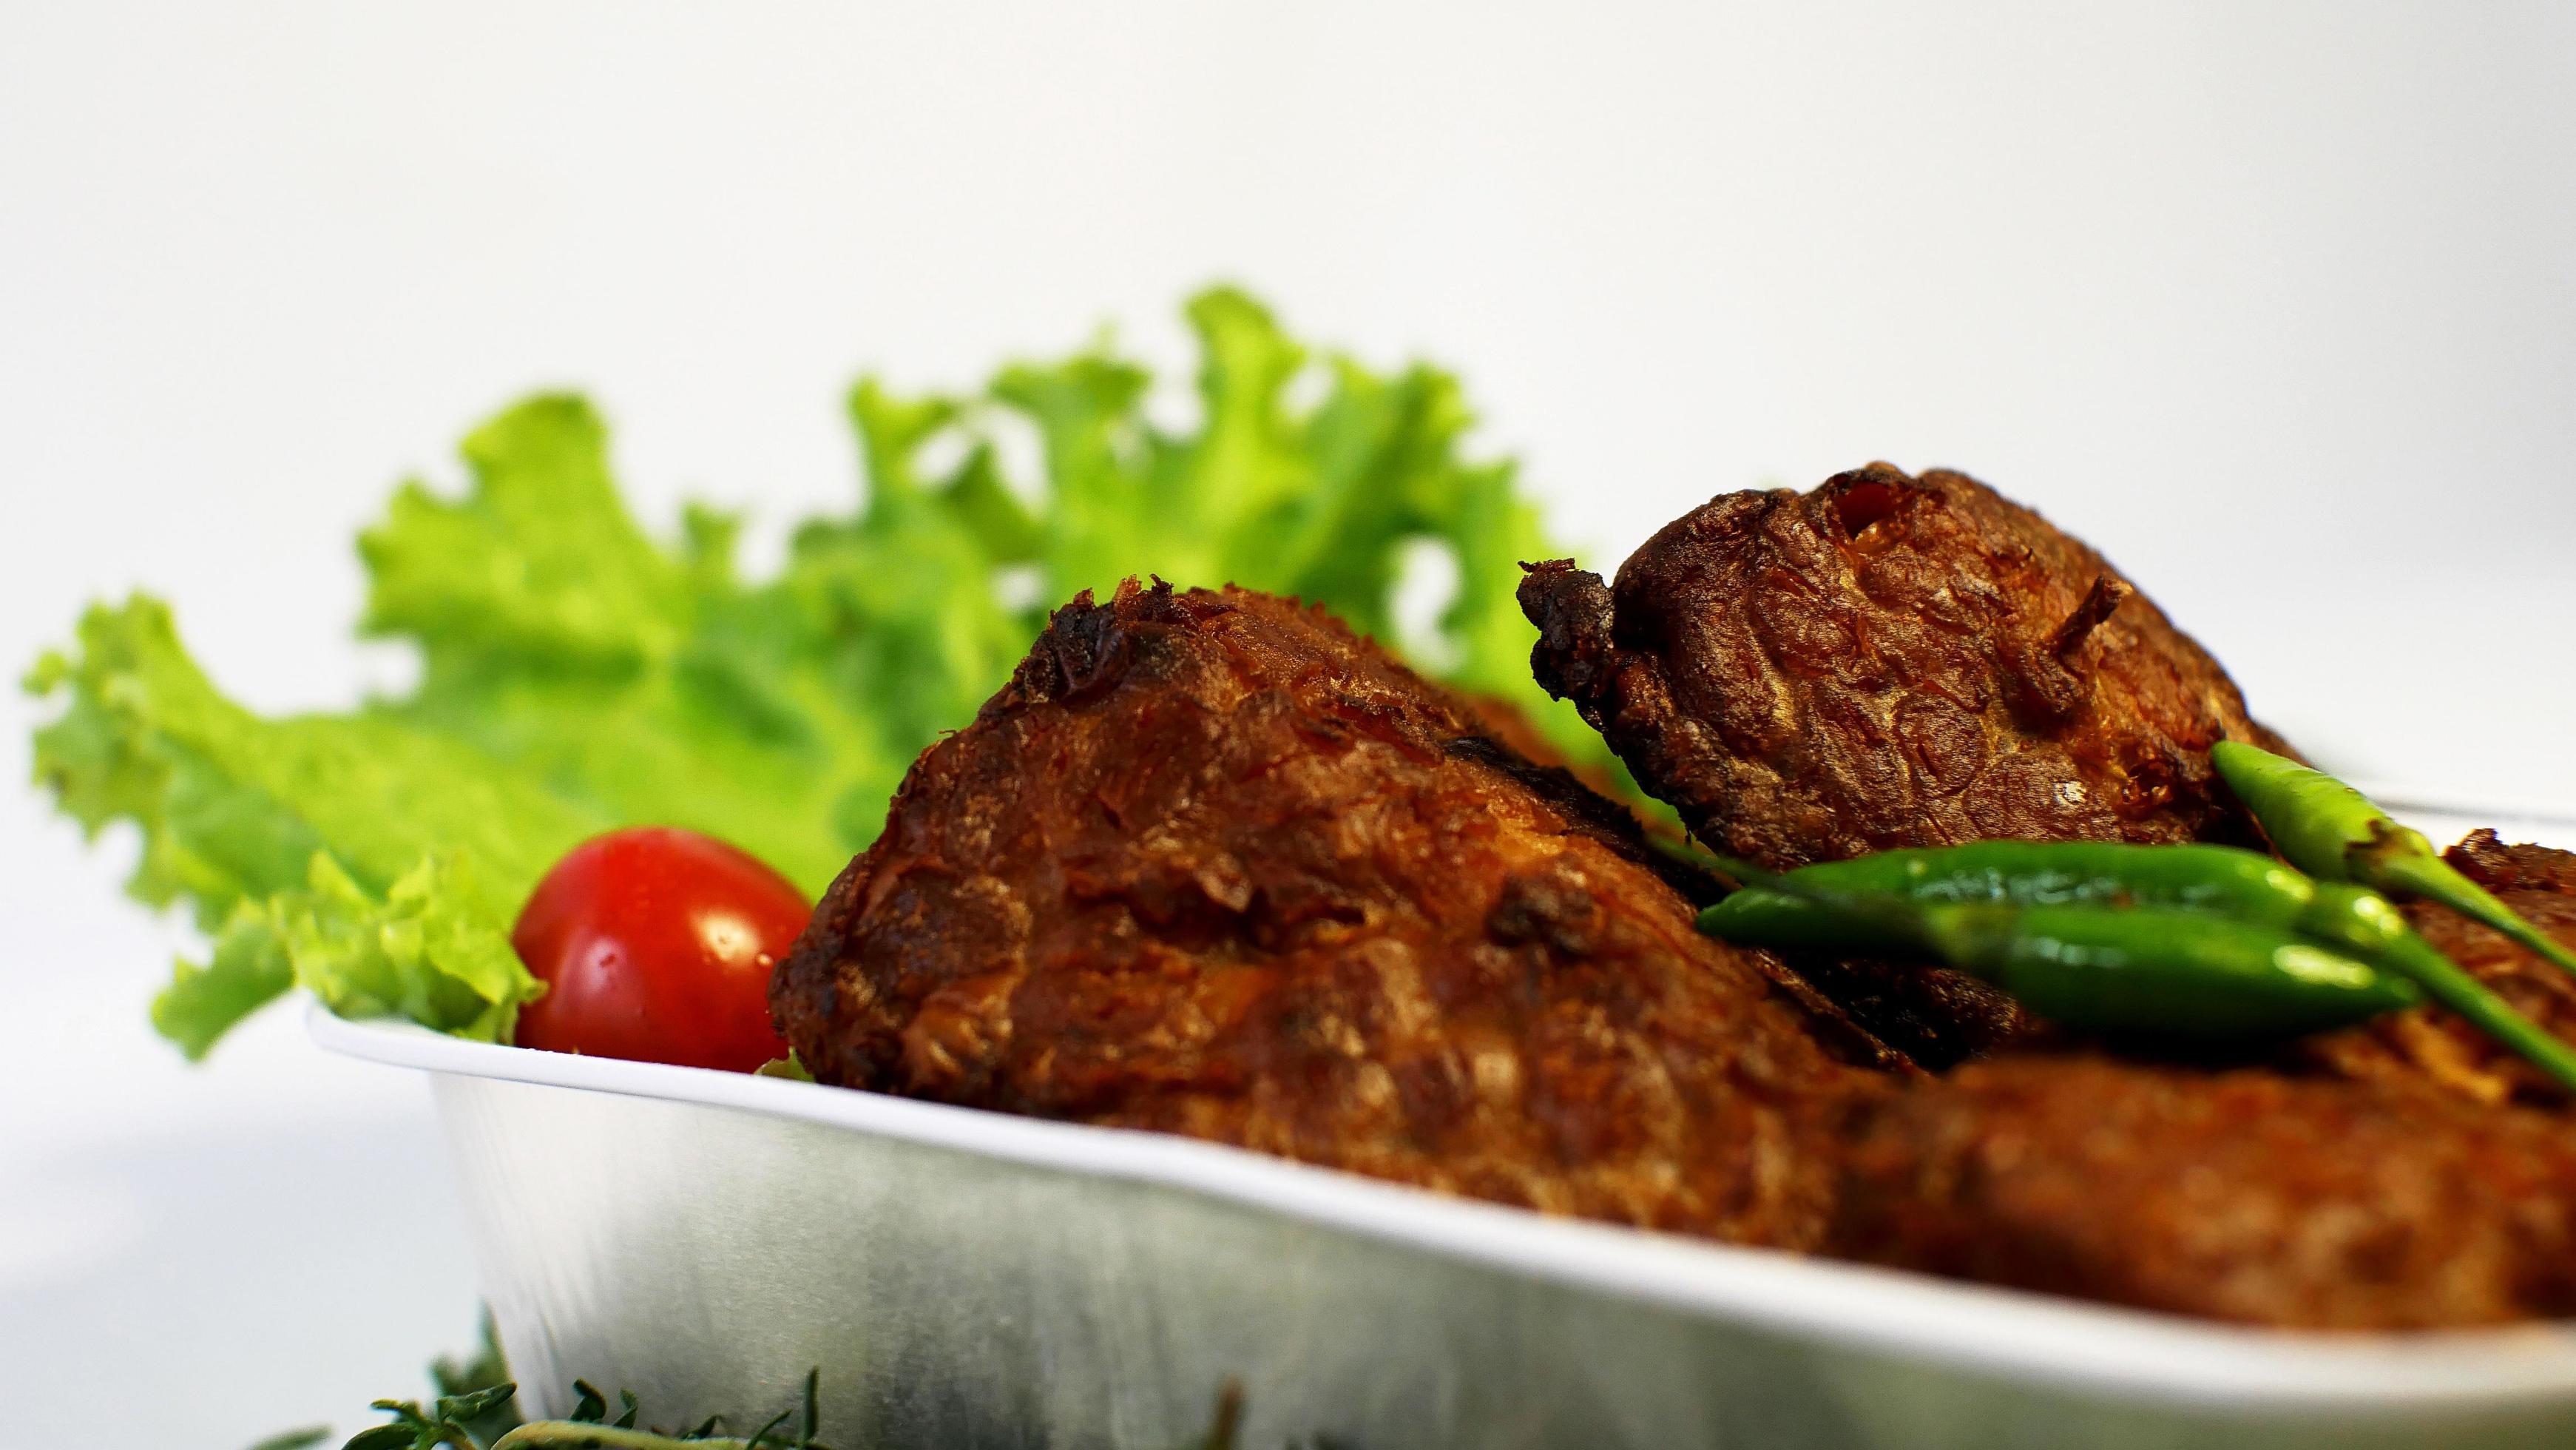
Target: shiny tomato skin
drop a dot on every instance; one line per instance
(656, 944)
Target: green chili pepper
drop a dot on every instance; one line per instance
(2153, 969)
(1757, 916)
(2332, 832)
(2221, 880)
(2256, 890)
(2366, 924)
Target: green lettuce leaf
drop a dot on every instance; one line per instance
(1332, 502)
(377, 864)
(579, 673)
(645, 684)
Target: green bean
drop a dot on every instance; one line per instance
(2333, 832)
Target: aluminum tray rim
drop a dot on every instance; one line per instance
(2003, 1333)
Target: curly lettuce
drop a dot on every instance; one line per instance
(639, 681)
(579, 673)
(378, 864)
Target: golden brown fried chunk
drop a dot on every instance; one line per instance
(1211, 864)
(2238, 1195)
(2376, 1183)
(1890, 661)
(2428, 1045)
(1512, 728)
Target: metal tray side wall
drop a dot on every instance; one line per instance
(705, 1257)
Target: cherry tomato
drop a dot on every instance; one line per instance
(656, 944)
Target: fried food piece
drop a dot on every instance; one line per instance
(1935, 1016)
(2241, 1195)
(1890, 661)
(1511, 727)
(1213, 865)
(2430, 1046)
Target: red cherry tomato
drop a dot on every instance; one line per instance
(656, 944)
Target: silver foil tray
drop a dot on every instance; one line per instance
(967, 1279)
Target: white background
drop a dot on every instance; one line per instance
(2277, 305)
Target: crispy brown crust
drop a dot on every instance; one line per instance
(2430, 1047)
(2409, 1173)
(1890, 661)
(1510, 726)
(2238, 1195)
(1213, 865)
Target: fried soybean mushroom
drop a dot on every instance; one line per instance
(1890, 661)
(1213, 865)
(2240, 1195)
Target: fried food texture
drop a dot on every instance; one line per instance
(2432, 1047)
(1890, 661)
(2242, 1195)
(1212, 864)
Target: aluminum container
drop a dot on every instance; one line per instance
(968, 1279)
